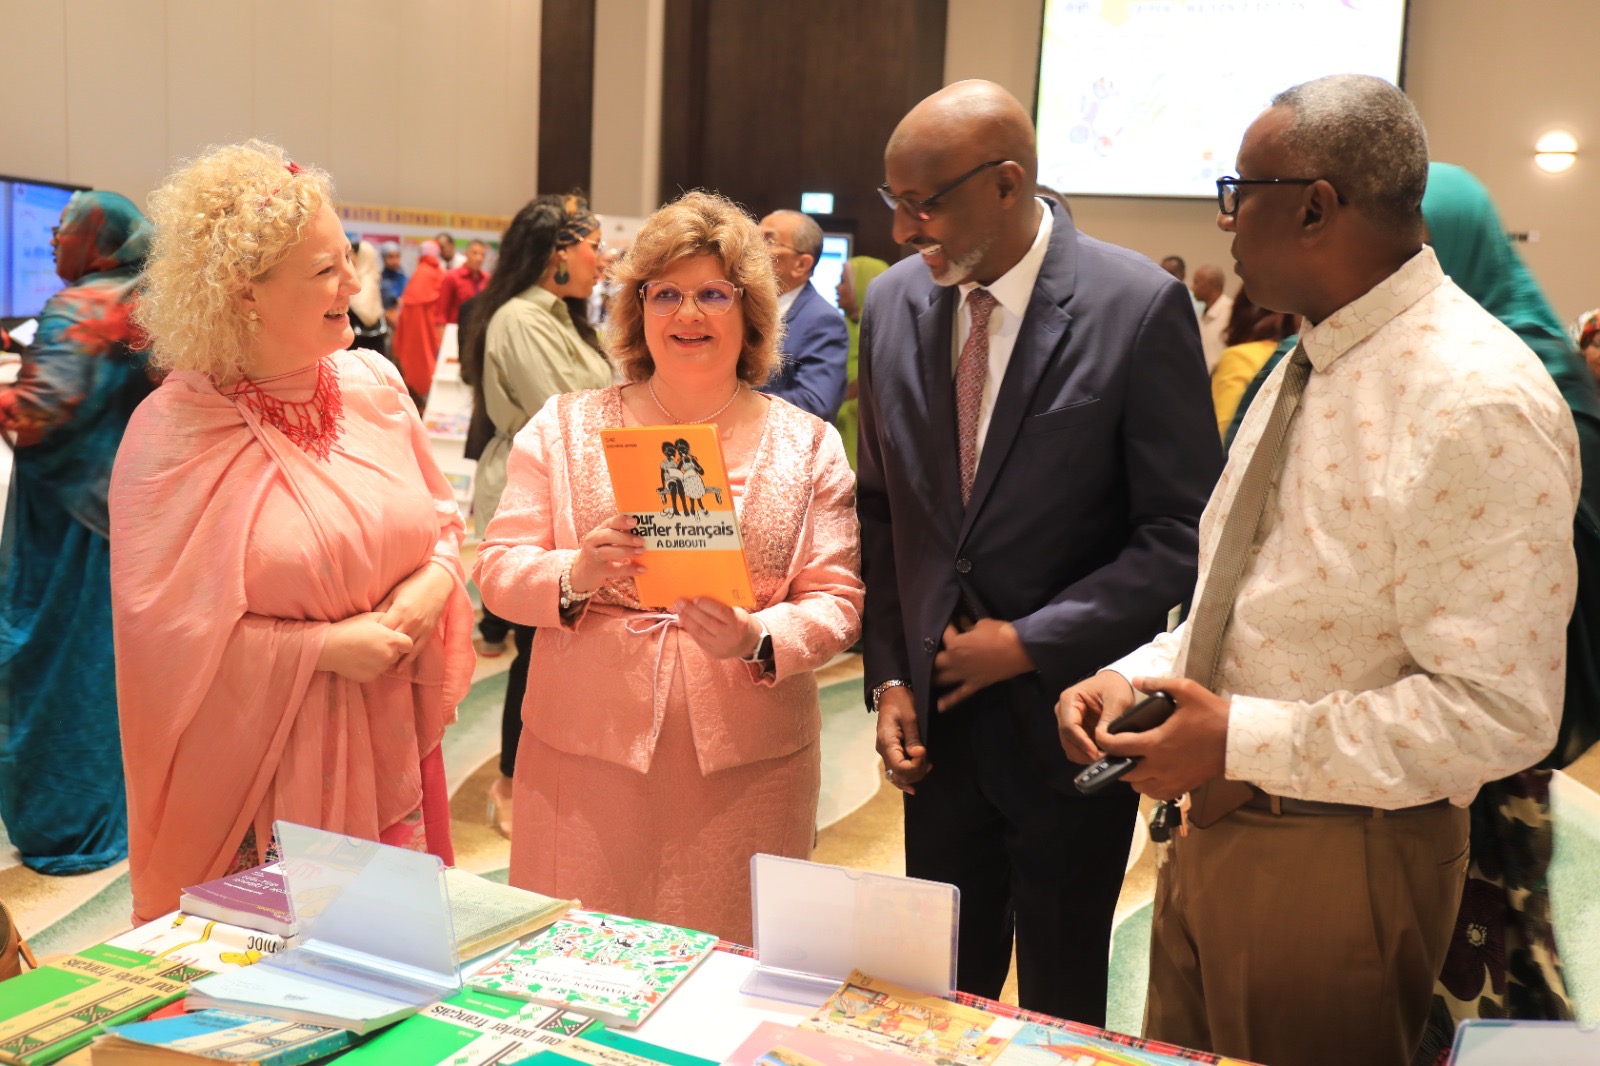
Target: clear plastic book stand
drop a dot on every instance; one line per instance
(371, 917)
(1518, 1043)
(816, 923)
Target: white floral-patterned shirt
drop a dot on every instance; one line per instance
(1400, 632)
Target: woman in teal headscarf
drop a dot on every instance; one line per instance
(1503, 961)
(859, 272)
(61, 784)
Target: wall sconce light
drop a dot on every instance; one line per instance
(1556, 152)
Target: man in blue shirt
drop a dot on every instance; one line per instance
(392, 282)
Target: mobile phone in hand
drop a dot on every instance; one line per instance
(1144, 715)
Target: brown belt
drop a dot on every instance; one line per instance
(1263, 801)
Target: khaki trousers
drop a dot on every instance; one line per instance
(1303, 940)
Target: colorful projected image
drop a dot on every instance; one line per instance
(1148, 98)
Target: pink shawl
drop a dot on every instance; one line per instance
(226, 722)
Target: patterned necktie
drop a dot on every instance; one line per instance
(1209, 623)
(972, 372)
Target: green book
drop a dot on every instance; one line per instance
(603, 1047)
(613, 968)
(470, 1029)
(48, 1013)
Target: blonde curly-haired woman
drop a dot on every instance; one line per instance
(292, 627)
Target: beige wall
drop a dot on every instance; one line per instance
(1488, 77)
(111, 93)
(625, 158)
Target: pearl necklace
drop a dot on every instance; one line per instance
(650, 384)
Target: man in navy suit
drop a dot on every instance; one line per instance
(1037, 445)
(816, 344)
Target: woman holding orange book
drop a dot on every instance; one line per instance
(661, 751)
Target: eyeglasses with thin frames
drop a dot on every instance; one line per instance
(923, 209)
(663, 298)
(1228, 189)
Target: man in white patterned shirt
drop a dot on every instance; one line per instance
(1398, 633)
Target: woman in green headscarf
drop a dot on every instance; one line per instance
(852, 293)
(1503, 961)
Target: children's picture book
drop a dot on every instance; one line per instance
(48, 1013)
(673, 481)
(776, 1044)
(216, 1036)
(1074, 1045)
(255, 899)
(487, 914)
(200, 942)
(912, 1023)
(613, 968)
(471, 1029)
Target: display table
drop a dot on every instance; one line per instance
(708, 1016)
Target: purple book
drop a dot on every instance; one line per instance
(255, 899)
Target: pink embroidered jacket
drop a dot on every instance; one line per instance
(599, 684)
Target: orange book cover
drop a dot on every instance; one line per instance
(673, 481)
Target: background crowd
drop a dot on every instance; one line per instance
(998, 466)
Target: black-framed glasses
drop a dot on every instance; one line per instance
(663, 298)
(1228, 189)
(923, 209)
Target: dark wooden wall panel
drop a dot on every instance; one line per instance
(566, 94)
(763, 100)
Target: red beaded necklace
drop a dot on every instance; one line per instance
(313, 425)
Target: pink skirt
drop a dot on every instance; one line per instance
(672, 845)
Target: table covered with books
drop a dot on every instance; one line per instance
(365, 967)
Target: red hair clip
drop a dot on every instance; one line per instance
(294, 168)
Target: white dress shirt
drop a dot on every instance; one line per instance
(1214, 329)
(786, 299)
(1012, 291)
(1400, 632)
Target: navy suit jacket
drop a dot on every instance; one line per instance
(1101, 453)
(816, 356)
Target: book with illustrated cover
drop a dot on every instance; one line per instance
(200, 942)
(216, 1036)
(471, 1029)
(255, 899)
(776, 1044)
(48, 1013)
(1043, 1045)
(911, 1023)
(673, 481)
(613, 968)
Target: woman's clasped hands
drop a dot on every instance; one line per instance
(365, 646)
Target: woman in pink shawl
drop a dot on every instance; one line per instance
(292, 628)
(660, 751)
